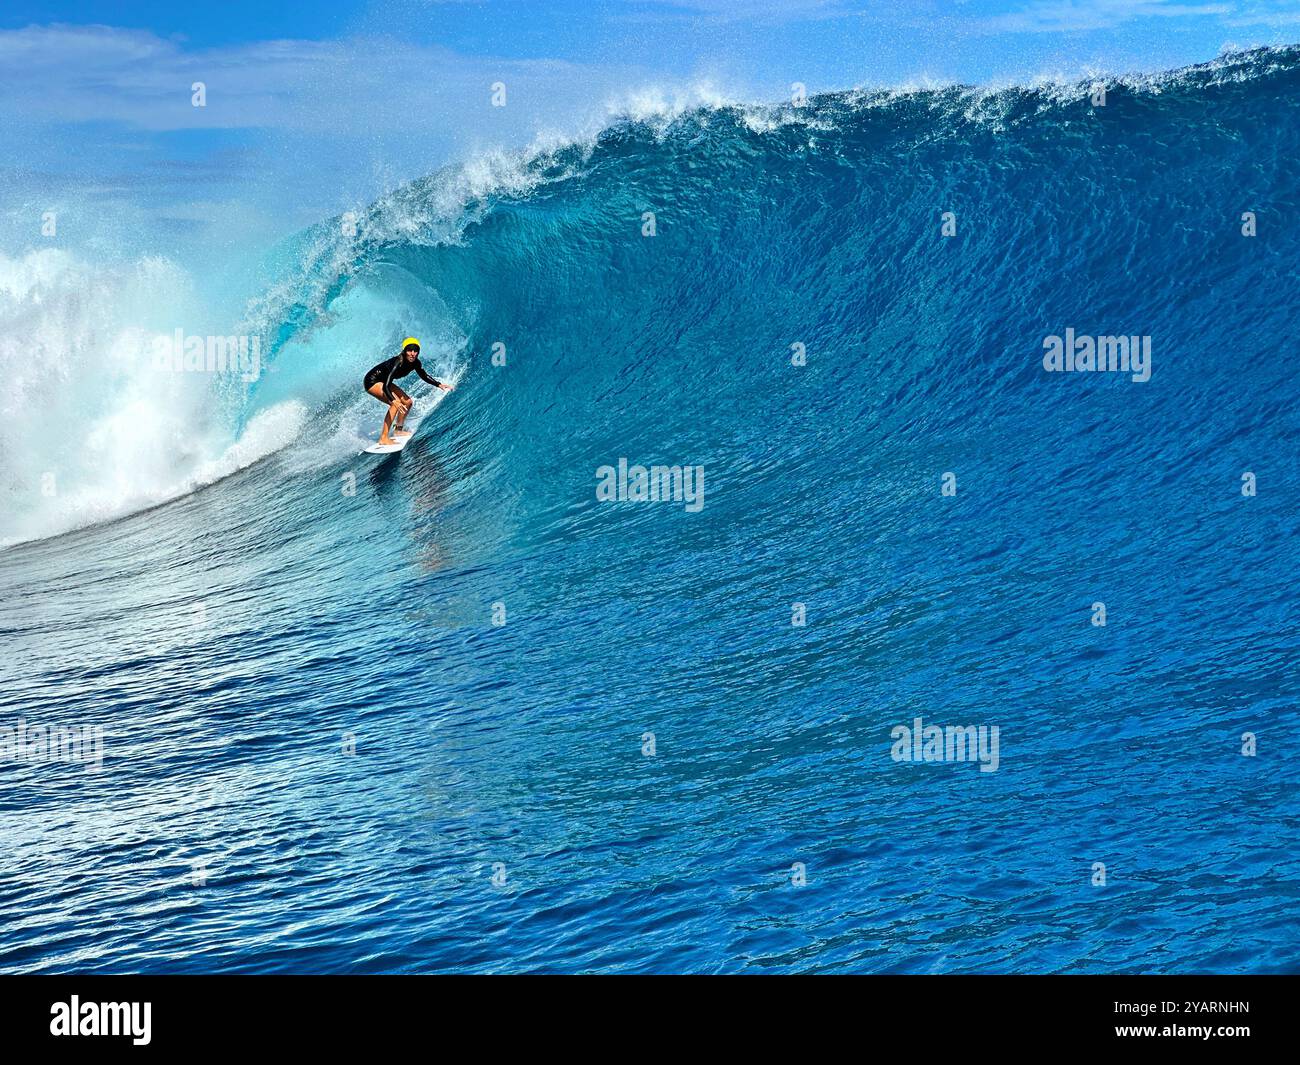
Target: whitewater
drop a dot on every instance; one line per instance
(457, 710)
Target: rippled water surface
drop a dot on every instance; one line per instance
(322, 753)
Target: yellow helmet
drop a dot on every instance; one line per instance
(410, 342)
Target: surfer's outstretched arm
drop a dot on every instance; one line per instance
(432, 380)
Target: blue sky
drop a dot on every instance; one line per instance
(313, 109)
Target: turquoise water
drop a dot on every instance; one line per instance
(449, 711)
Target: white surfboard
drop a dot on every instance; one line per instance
(412, 425)
(389, 449)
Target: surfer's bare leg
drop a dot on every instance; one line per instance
(377, 390)
(404, 408)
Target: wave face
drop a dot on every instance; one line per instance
(450, 711)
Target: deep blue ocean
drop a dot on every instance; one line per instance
(449, 711)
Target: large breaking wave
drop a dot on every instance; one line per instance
(774, 225)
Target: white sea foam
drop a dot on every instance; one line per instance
(89, 429)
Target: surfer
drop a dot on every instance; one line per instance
(379, 383)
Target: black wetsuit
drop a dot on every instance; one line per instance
(391, 369)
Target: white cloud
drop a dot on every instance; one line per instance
(1061, 16)
(300, 128)
(59, 75)
(1284, 15)
(752, 12)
